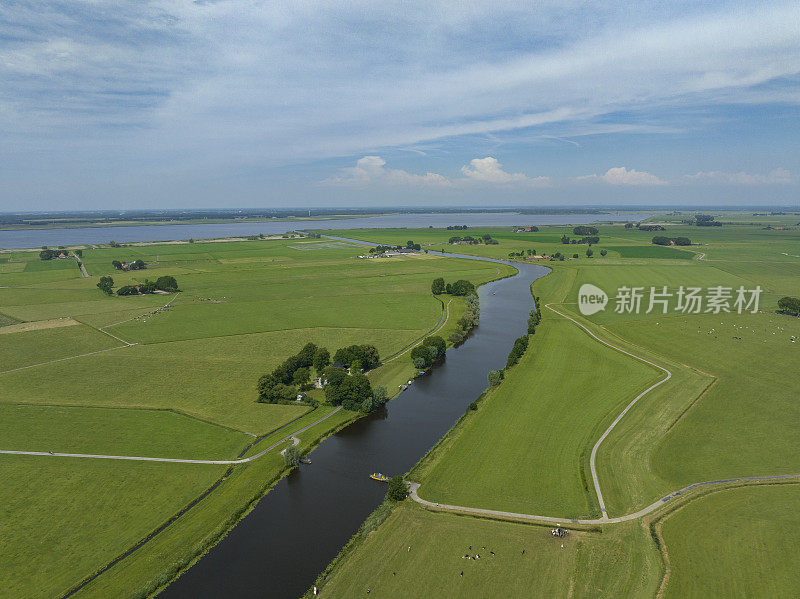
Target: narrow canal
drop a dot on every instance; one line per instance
(278, 550)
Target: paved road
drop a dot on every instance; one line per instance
(175, 460)
(414, 487)
(84, 274)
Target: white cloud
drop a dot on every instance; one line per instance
(372, 169)
(619, 175)
(489, 170)
(778, 176)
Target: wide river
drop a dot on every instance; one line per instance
(33, 238)
(278, 550)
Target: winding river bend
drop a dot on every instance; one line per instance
(278, 550)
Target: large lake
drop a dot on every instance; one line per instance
(31, 238)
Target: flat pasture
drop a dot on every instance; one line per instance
(422, 555)
(739, 542)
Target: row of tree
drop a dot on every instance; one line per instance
(661, 240)
(642, 227)
(430, 350)
(164, 283)
(460, 287)
(590, 240)
(485, 238)
(457, 228)
(468, 320)
(495, 377)
(517, 351)
(789, 305)
(135, 265)
(585, 230)
(48, 254)
(706, 220)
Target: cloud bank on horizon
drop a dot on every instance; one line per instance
(233, 103)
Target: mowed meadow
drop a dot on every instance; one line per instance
(729, 410)
(174, 375)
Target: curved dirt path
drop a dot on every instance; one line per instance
(593, 457)
(604, 519)
(292, 437)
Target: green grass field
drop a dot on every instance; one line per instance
(526, 451)
(739, 542)
(185, 389)
(616, 563)
(62, 522)
(728, 411)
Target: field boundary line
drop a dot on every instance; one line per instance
(233, 462)
(100, 351)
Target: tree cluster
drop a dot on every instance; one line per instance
(661, 240)
(468, 320)
(282, 384)
(163, 283)
(584, 230)
(430, 350)
(358, 357)
(650, 227)
(48, 254)
(105, 285)
(706, 220)
(789, 305)
(135, 265)
(520, 345)
(397, 490)
(457, 228)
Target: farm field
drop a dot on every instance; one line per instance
(507, 459)
(174, 375)
(614, 563)
(62, 522)
(751, 553)
(727, 411)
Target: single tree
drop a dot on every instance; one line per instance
(397, 490)
(291, 456)
(603, 253)
(589, 252)
(496, 377)
(437, 287)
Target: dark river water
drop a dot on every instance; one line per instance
(278, 550)
(32, 238)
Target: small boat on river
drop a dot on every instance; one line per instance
(379, 477)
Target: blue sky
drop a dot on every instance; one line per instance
(242, 103)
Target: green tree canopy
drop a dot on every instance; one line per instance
(397, 490)
(437, 286)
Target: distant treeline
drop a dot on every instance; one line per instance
(661, 240)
